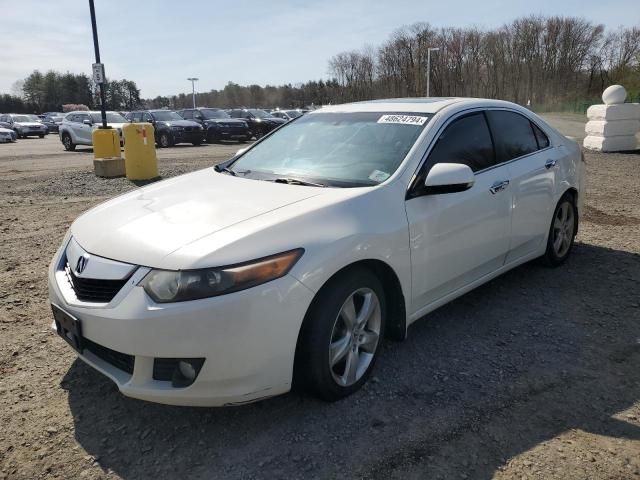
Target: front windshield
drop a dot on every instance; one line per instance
(342, 149)
(213, 113)
(25, 118)
(112, 117)
(165, 116)
(260, 113)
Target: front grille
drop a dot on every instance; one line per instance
(121, 361)
(94, 290)
(188, 129)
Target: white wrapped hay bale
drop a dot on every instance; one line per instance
(619, 143)
(612, 127)
(624, 111)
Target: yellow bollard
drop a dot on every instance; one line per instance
(106, 143)
(140, 151)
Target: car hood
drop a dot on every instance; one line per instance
(29, 124)
(5, 130)
(145, 226)
(179, 123)
(225, 120)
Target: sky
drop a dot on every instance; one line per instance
(159, 43)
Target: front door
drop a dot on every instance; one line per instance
(457, 238)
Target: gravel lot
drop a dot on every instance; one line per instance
(532, 376)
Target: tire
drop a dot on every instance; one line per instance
(327, 332)
(164, 140)
(562, 231)
(212, 137)
(69, 146)
(196, 143)
(41, 136)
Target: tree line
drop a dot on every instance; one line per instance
(542, 60)
(48, 92)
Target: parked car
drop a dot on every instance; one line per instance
(53, 120)
(260, 122)
(170, 128)
(295, 258)
(77, 127)
(24, 125)
(286, 115)
(7, 135)
(217, 124)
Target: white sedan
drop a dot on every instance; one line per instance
(291, 262)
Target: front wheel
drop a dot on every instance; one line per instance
(164, 140)
(212, 137)
(341, 336)
(562, 232)
(41, 136)
(69, 146)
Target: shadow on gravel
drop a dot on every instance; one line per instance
(483, 379)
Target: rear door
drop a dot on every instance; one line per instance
(532, 165)
(457, 238)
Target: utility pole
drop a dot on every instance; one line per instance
(193, 89)
(98, 68)
(429, 50)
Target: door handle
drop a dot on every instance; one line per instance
(499, 186)
(550, 163)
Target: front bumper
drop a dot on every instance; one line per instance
(184, 136)
(247, 338)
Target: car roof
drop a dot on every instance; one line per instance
(418, 105)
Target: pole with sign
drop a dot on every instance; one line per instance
(98, 68)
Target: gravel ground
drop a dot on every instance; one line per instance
(531, 376)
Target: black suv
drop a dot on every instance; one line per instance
(218, 125)
(260, 122)
(170, 128)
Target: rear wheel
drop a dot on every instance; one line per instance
(341, 335)
(41, 135)
(69, 146)
(562, 232)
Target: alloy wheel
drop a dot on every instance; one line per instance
(563, 229)
(355, 337)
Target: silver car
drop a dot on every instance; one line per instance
(25, 125)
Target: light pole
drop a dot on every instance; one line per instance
(98, 68)
(429, 50)
(193, 81)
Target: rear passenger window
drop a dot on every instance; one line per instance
(467, 141)
(513, 134)
(541, 137)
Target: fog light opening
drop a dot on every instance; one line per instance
(186, 371)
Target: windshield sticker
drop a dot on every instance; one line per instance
(378, 176)
(403, 119)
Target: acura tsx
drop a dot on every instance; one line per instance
(294, 260)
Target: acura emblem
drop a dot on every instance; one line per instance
(82, 264)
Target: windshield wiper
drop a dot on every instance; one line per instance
(297, 181)
(220, 169)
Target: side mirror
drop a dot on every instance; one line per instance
(86, 121)
(449, 178)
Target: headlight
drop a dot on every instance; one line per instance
(165, 286)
